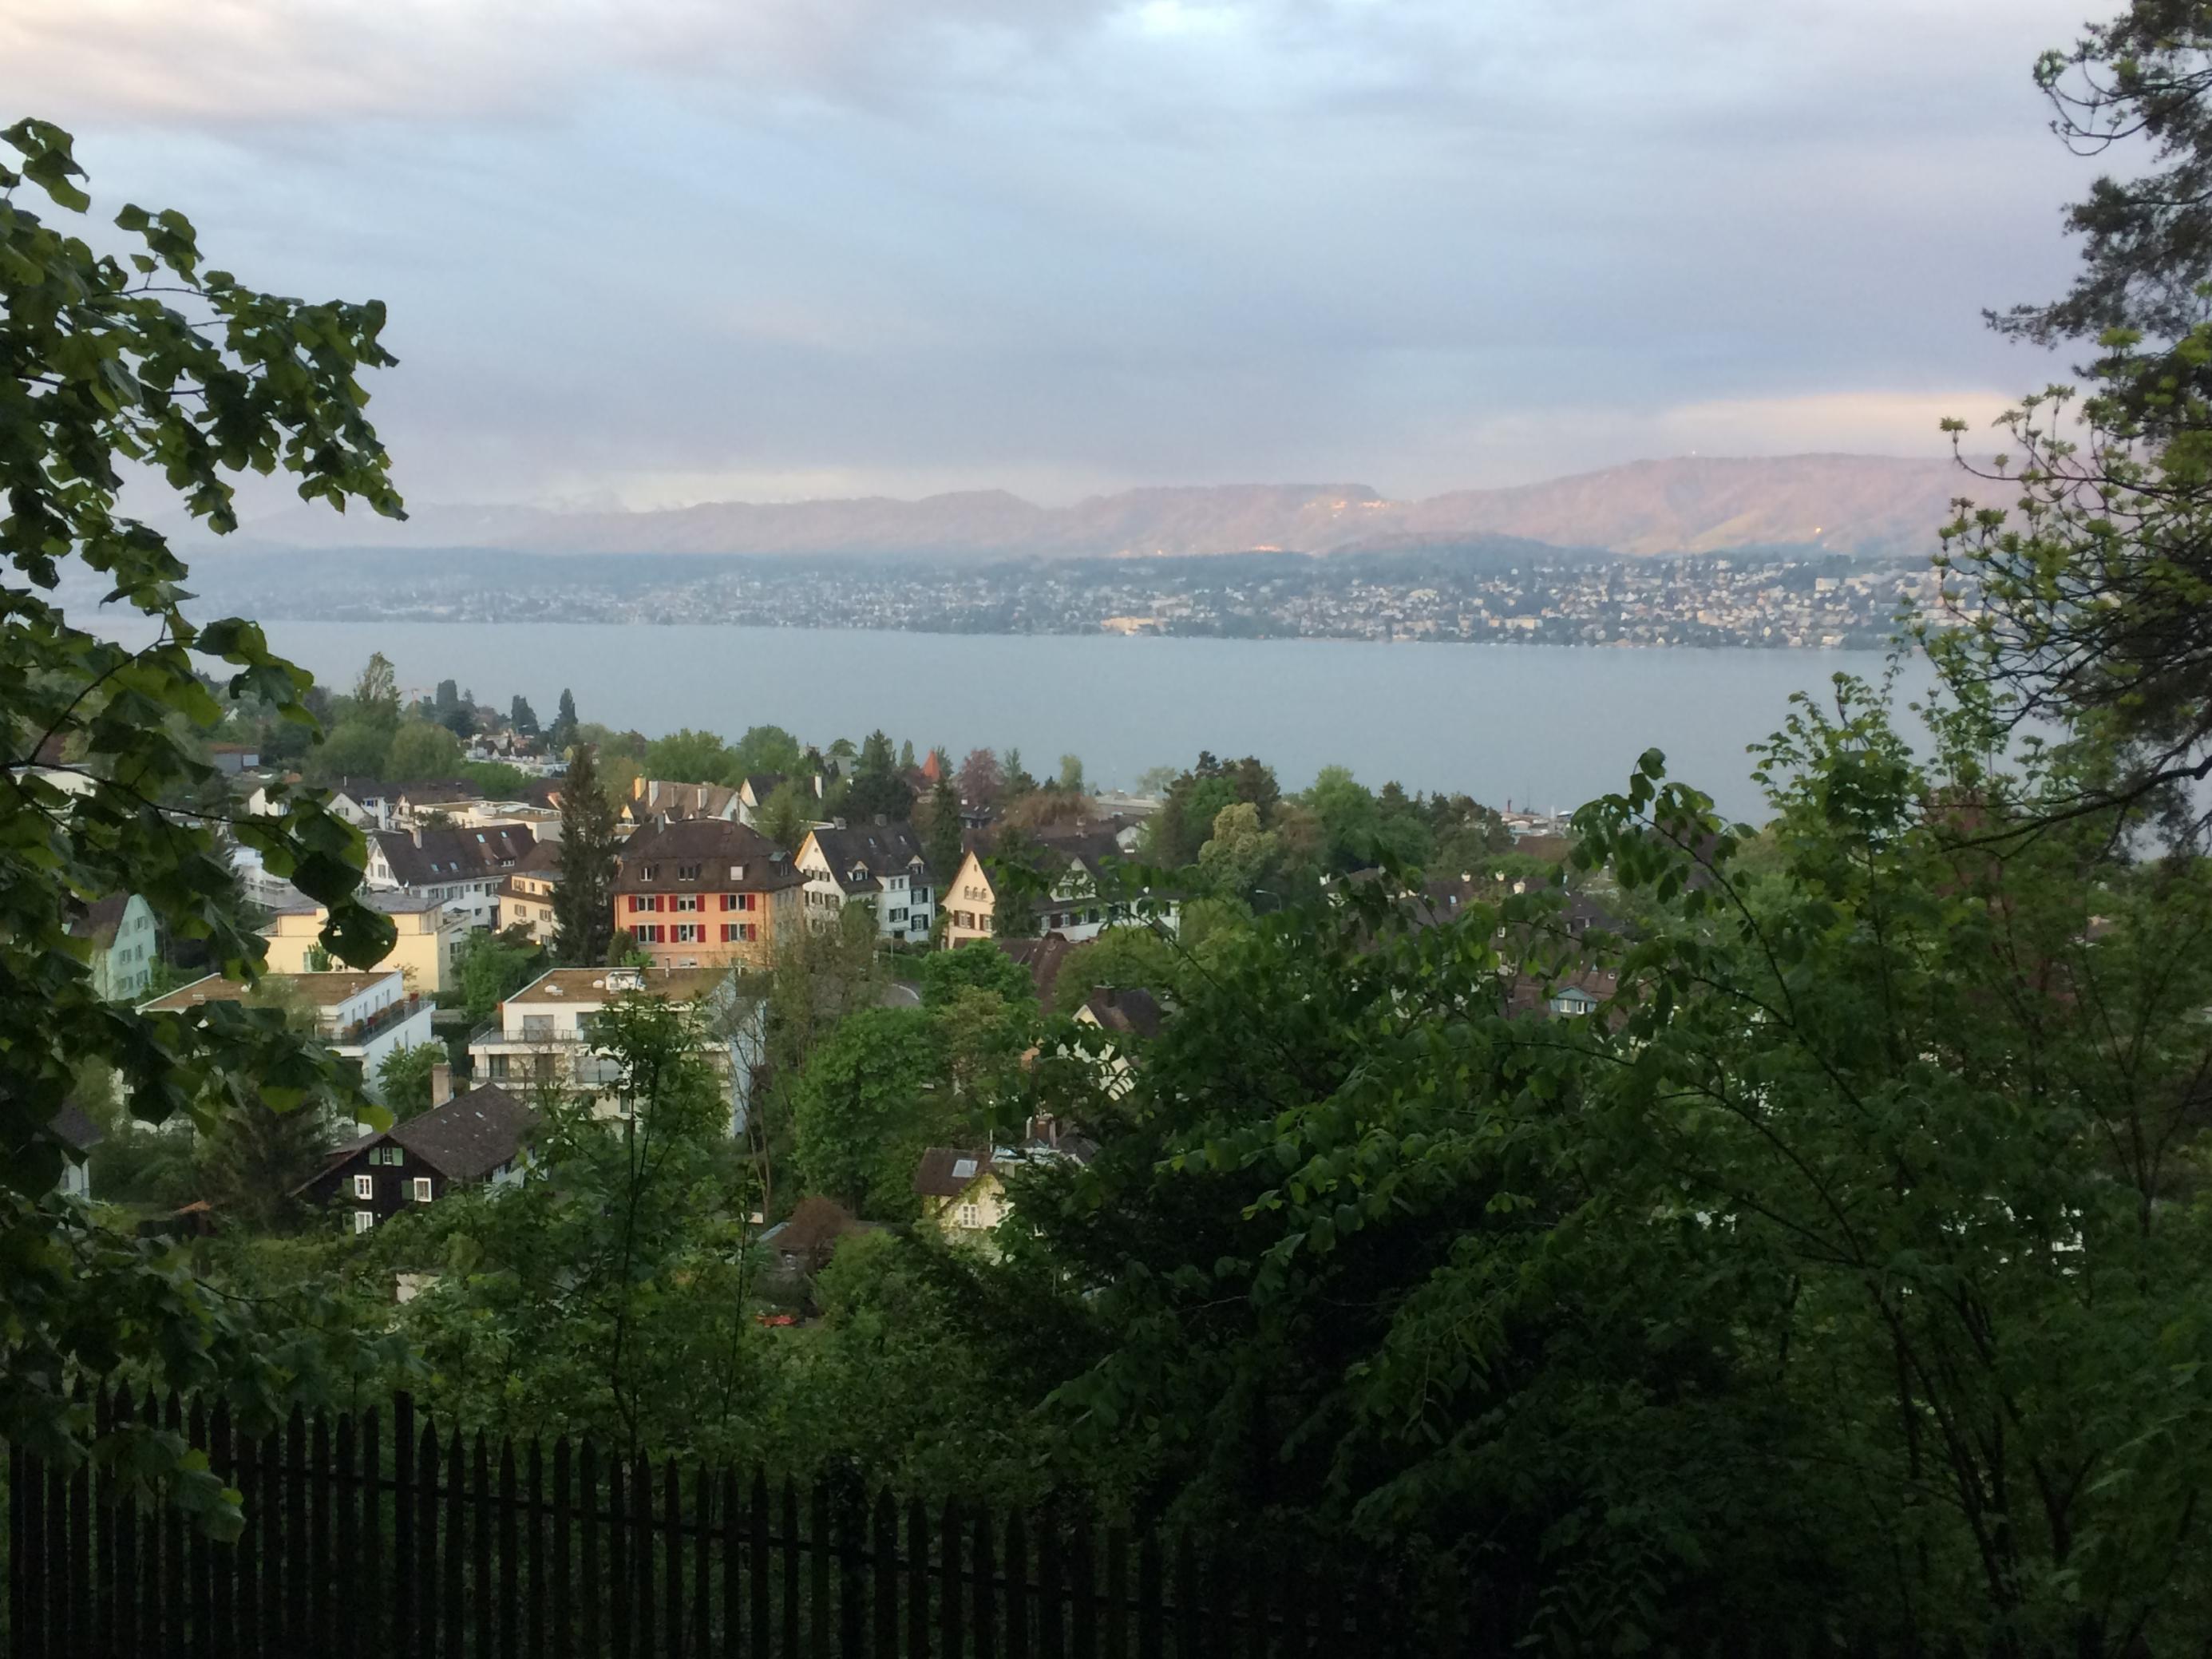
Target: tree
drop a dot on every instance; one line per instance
(1071, 774)
(255, 1159)
(564, 723)
(1119, 959)
(490, 969)
(522, 717)
(419, 749)
(786, 815)
(583, 899)
(689, 757)
(403, 1078)
(448, 697)
(945, 973)
(376, 694)
(460, 721)
(767, 749)
(862, 1112)
(1017, 780)
(1350, 821)
(980, 780)
(942, 843)
(355, 748)
(100, 366)
(878, 788)
(906, 759)
(1241, 857)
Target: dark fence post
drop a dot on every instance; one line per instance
(702, 1513)
(917, 1579)
(510, 1564)
(733, 1579)
(1017, 1587)
(756, 1562)
(640, 1544)
(324, 1639)
(1117, 1593)
(672, 1565)
(396, 1609)
(984, 1617)
(124, 1519)
(885, 1546)
(455, 1617)
(173, 1552)
(1149, 1610)
(425, 1598)
(1083, 1594)
(559, 1568)
(1050, 1643)
(588, 1580)
(344, 1622)
(480, 1550)
(202, 1548)
(851, 1516)
(951, 1639)
(818, 1576)
(618, 1573)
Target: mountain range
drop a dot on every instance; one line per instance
(1866, 505)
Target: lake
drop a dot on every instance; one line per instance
(1545, 726)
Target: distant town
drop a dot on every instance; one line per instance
(1520, 592)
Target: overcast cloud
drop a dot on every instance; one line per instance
(668, 251)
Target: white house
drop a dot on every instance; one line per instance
(361, 1017)
(545, 1034)
(879, 864)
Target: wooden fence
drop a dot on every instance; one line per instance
(377, 1535)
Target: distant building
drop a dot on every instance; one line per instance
(704, 893)
(964, 1189)
(651, 799)
(460, 867)
(752, 795)
(525, 897)
(880, 865)
(126, 944)
(802, 1243)
(425, 950)
(232, 759)
(78, 1134)
(361, 1017)
(1073, 908)
(545, 1036)
(478, 1138)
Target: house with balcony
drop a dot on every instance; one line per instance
(880, 865)
(545, 1037)
(705, 893)
(126, 942)
(360, 1017)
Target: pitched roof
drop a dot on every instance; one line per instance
(759, 786)
(817, 1221)
(74, 1130)
(100, 920)
(949, 1171)
(1043, 957)
(471, 1135)
(1130, 1010)
(723, 846)
(876, 848)
(423, 857)
(542, 859)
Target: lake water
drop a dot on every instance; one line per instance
(1544, 726)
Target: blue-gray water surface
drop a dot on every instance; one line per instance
(1544, 726)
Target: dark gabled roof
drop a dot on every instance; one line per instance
(817, 1221)
(471, 1135)
(761, 785)
(1043, 957)
(720, 844)
(542, 859)
(444, 853)
(100, 920)
(1130, 1011)
(949, 1171)
(74, 1130)
(878, 848)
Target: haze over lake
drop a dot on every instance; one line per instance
(1546, 726)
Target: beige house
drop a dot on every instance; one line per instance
(962, 1195)
(1072, 910)
(425, 952)
(525, 897)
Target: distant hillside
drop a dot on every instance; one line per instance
(1857, 504)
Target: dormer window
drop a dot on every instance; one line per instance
(687, 872)
(649, 871)
(736, 872)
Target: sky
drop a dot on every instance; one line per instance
(653, 252)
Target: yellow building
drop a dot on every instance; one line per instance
(425, 951)
(525, 897)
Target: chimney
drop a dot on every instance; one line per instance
(441, 1083)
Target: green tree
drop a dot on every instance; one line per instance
(982, 779)
(376, 694)
(1350, 821)
(355, 748)
(942, 843)
(583, 899)
(689, 757)
(863, 1109)
(419, 749)
(1071, 774)
(786, 815)
(1241, 857)
(878, 787)
(490, 968)
(564, 723)
(101, 368)
(254, 1161)
(906, 760)
(1138, 957)
(943, 974)
(1017, 778)
(448, 696)
(403, 1078)
(522, 717)
(767, 749)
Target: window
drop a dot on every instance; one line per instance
(729, 933)
(395, 1156)
(648, 872)
(636, 903)
(422, 1189)
(970, 1217)
(363, 1221)
(686, 901)
(690, 932)
(729, 901)
(748, 930)
(687, 872)
(747, 901)
(364, 1186)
